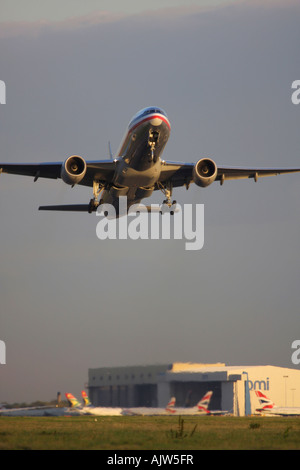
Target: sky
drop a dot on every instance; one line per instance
(75, 75)
(35, 10)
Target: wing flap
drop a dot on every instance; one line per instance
(180, 174)
(102, 170)
(232, 173)
(36, 170)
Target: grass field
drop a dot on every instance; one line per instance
(149, 433)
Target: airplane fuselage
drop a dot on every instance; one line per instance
(138, 162)
(279, 411)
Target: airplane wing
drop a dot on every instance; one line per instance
(175, 173)
(101, 170)
(180, 174)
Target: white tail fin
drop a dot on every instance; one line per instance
(204, 402)
(110, 152)
(170, 405)
(265, 402)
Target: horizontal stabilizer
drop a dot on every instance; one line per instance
(86, 208)
(68, 207)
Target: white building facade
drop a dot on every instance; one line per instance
(233, 386)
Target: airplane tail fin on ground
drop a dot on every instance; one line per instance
(265, 402)
(73, 402)
(170, 405)
(204, 402)
(86, 399)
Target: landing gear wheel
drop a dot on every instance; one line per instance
(166, 189)
(173, 207)
(93, 206)
(164, 208)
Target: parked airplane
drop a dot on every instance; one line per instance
(73, 402)
(39, 411)
(150, 411)
(268, 407)
(26, 411)
(171, 405)
(137, 168)
(74, 409)
(88, 409)
(200, 408)
(86, 399)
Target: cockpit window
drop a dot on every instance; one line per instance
(152, 110)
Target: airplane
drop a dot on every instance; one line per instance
(150, 411)
(98, 410)
(104, 410)
(86, 399)
(88, 409)
(171, 405)
(29, 411)
(43, 410)
(73, 402)
(200, 408)
(268, 407)
(136, 170)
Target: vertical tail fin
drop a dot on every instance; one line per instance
(264, 401)
(204, 402)
(73, 402)
(110, 151)
(170, 405)
(86, 399)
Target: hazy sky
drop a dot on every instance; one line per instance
(18, 10)
(70, 301)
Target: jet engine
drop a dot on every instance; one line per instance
(73, 170)
(204, 172)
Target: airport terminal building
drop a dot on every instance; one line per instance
(233, 386)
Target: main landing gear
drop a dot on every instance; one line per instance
(167, 203)
(95, 202)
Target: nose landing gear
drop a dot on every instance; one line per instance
(152, 141)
